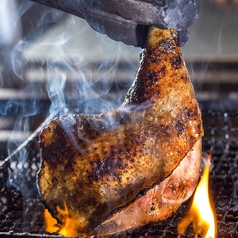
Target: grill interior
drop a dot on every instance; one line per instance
(214, 72)
(22, 214)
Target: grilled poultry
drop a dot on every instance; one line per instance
(161, 201)
(99, 165)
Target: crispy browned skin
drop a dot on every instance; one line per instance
(98, 164)
(161, 201)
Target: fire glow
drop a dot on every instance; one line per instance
(201, 213)
(65, 229)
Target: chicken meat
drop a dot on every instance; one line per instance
(161, 201)
(101, 165)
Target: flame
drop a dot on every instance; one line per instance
(66, 229)
(201, 213)
(51, 224)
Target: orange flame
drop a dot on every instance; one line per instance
(66, 229)
(201, 213)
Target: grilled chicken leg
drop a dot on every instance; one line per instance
(161, 201)
(100, 164)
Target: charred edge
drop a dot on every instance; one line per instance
(191, 140)
(87, 128)
(143, 192)
(166, 131)
(197, 116)
(176, 62)
(185, 78)
(176, 37)
(103, 168)
(152, 77)
(91, 128)
(139, 195)
(59, 150)
(180, 127)
(166, 46)
(154, 55)
(113, 163)
(189, 114)
(185, 115)
(137, 93)
(146, 86)
(199, 127)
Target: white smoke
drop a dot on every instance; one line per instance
(61, 59)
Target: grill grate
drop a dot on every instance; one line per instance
(21, 212)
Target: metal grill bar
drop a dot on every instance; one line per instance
(22, 214)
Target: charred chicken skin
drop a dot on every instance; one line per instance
(101, 165)
(161, 201)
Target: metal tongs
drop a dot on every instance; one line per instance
(128, 20)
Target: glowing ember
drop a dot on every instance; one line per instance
(65, 229)
(201, 213)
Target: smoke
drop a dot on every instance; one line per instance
(56, 64)
(81, 67)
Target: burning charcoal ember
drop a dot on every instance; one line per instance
(96, 166)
